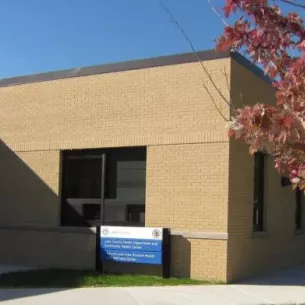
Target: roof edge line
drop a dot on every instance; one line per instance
(245, 62)
(137, 64)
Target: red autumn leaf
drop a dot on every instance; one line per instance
(288, 121)
(231, 133)
(271, 38)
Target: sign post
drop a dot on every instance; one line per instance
(134, 245)
(166, 262)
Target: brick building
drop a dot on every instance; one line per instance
(151, 129)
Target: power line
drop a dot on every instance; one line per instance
(217, 13)
(175, 21)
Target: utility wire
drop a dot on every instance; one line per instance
(225, 23)
(175, 21)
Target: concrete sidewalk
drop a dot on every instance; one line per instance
(286, 287)
(186, 295)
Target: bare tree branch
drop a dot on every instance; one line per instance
(228, 87)
(242, 99)
(293, 3)
(174, 20)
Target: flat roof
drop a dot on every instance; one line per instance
(132, 65)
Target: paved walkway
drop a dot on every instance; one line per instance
(186, 295)
(283, 288)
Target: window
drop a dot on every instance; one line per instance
(285, 181)
(258, 207)
(298, 209)
(83, 178)
(104, 187)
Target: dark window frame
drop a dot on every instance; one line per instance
(259, 192)
(298, 209)
(109, 158)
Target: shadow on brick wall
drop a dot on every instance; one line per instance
(180, 257)
(25, 198)
(27, 204)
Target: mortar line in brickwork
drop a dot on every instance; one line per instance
(37, 150)
(189, 143)
(89, 147)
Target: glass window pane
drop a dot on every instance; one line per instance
(83, 178)
(124, 189)
(130, 173)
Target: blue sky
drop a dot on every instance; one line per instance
(46, 35)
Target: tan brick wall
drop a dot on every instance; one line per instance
(52, 248)
(199, 258)
(187, 189)
(209, 259)
(29, 187)
(163, 108)
(187, 186)
(159, 105)
(250, 254)
(180, 257)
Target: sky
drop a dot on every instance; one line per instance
(47, 35)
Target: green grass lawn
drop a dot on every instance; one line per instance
(73, 279)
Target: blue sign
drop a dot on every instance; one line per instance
(137, 257)
(131, 245)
